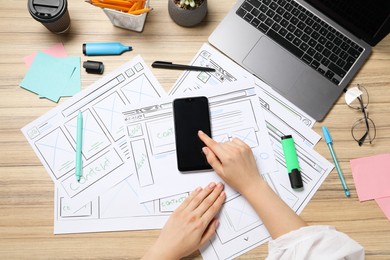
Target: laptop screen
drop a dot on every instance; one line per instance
(367, 19)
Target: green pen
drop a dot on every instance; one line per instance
(79, 145)
(290, 155)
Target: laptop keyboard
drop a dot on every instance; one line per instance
(304, 34)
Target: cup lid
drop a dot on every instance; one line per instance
(47, 10)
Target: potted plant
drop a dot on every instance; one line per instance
(187, 13)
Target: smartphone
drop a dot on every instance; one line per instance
(191, 114)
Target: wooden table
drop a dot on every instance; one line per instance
(26, 190)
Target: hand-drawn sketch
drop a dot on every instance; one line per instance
(228, 71)
(240, 229)
(115, 210)
(234, 112)
(105, 149)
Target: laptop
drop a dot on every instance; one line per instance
(306, 50)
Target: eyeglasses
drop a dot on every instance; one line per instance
(364, 129)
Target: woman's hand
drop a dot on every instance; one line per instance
(233, 161)
(191, 225)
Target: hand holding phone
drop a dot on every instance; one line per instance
(190, 115)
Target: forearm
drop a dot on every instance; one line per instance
(276, 215)
(158, 253)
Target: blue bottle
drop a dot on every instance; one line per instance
(104, 48)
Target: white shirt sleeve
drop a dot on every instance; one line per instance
(315, 242)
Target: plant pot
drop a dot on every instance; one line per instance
(187, 18)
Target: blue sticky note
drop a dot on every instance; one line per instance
(74, 85)
(47, 76)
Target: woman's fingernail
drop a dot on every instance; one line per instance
(198, 189)
(205, 150)
(220, 184)
(211, 185)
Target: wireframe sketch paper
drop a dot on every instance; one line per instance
(115, 210)
(228, 71)
(150, 135)
(234, 111)
(105, 148)
(240, 229)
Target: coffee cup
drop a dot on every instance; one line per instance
(53, 14)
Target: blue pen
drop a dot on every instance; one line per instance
(329, 142)
(79, 146)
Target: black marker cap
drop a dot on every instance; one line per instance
(296, 179)
(95, 67)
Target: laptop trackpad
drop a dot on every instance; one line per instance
(274, 65)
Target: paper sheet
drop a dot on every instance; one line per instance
(105, 149)
(49, 77)
(151, 137)
(228, 71)
(115, 210)
(384, 204)
(57, 50)
(240, 229)
(371, 176)
(234, 111)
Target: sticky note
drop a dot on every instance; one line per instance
(74, 85)
(47, 76)
(56, 50)
(372, 176)
(384, 204)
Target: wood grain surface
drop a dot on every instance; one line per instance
(26, 190)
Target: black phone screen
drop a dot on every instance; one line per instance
(191, 115)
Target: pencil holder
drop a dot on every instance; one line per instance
(127, 21)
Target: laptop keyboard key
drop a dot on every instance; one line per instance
(335, 81)
(354, 53)
(255, 3)
(325, 61)
(349, 62)
(297, 41)
(248, 17)
(304, 46)
(241, 12)
(336, 69)
(283, 32)
(255, 22)
(263, 27)
(329, 74)
(320, 70)
(262, 17)
(263, 8)
(276, 27)
(247, 7)
(315, 64)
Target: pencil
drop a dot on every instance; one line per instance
(140, 11)
(110, 6)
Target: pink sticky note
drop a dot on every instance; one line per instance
(372, 176)
(384, 204)
(56, 50)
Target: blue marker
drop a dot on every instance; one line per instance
(104, 48)
(329, 142)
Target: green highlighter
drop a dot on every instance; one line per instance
(293, 169)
